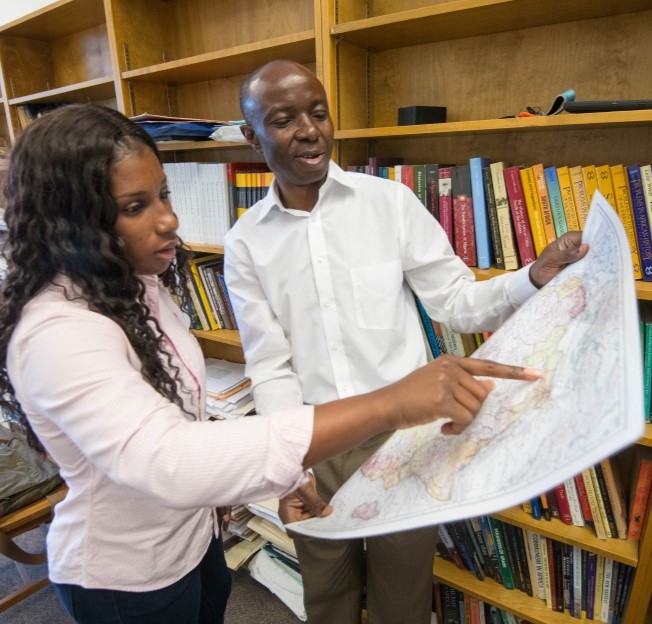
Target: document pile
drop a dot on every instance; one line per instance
(228, 391)
(164, 128)
(276, 566)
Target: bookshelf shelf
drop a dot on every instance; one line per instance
(625, 551)
(488, 590)
(57, 20)
(563, 121)
(206, 248)
(224, 336)
(230, 62)
(190, 146)
(102, 88)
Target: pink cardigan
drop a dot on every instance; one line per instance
(143, 476)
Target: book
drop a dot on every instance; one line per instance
(201, 290)
(533, 208)
(579, 194)
(556, 203)
(606, 590)
(604, 495)
(567, 198)
(590, 176)
(544, 202)
(518, 211)
(463, 225)
(590, 584)
(533, 542)
(492, 215)
(480, 214)
(600, 500)
(624, 209)
(574, 505)
(504, 216)
(641, 221)
(428, 328)
(583, 498)
(445, 203)
(562, 503)
(593, 502)
(501, 553)
(375, 162)
(605, 185)
(640, 490)
(419, 181)
(646, 179)
(450, 546)
(432, 189)
(646, 338)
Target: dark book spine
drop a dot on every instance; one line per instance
(494, 227)
(432, 189)
(604, 494)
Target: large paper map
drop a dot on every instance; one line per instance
(582, 329)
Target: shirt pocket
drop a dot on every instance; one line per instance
(376, 291)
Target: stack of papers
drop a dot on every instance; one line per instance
(228, 391)
(164, 128)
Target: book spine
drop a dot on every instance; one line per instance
(567, 198)
(590, 175)
(624, 209)
(492, 215)
(590, 585)
(202, 295)
(579, 194)
(574, 502)
(600, 498)
(593, 502)
(584, 501)
(641, 223)
(544, 202)
(576, 563)
(501, 554)
(519, 215)
(605, 184)
(640, 499)
(504, 216)
(480, 216)
(448, 542)
(533, 208)
(606, 590)
(604, 494)
(556, 203)
(446, 203)
(432, 189)
(428, 328)
(562, 504)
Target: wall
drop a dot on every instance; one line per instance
(9, 11)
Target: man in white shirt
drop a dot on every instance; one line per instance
(321, 274)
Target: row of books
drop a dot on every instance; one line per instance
(505, 215)
(597, 497)
(209, 197)
(455, 607)
(569, 579)
(209, 295)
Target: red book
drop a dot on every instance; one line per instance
(640, 493)
(520, 219)
(446, 202)
(463, 224)
(562, 503)
(407, 176)
(584, 499)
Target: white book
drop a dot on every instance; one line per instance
(606, 590)
(574, 502)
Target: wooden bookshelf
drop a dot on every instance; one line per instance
(485, 60)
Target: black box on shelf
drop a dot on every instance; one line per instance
(411, 115)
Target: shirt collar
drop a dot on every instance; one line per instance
(336, 175)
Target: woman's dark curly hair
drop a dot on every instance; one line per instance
(60, 216)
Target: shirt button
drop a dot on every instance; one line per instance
(328, 304)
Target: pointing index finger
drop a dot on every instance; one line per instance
(489, 368)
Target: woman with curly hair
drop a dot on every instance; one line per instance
(99, 369)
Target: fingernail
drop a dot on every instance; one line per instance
(533, 372)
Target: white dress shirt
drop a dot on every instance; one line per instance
(324, 299)
(142, 474)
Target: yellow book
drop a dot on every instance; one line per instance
(600, 500)
(533, 208)
(605, 185)
(504, 216)
(590, 176)
(579, 194)
(566, 190)
(598, 524)
(599, 580)
(624, 209)
(544, 202)
(203, 295)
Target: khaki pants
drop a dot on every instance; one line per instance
(396, 569)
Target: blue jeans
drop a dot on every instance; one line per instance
(198, 598)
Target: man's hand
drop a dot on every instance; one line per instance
(568, 248)
(303, 503)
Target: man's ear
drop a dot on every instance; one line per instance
(249, 134)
